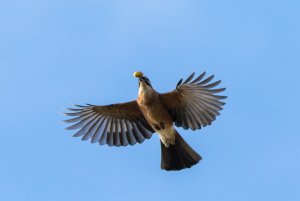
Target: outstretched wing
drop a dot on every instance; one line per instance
(115, 125)
(193, 103)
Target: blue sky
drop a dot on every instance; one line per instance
(53, 53)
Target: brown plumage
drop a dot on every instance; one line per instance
(192, 105)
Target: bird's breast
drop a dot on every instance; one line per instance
(154, 110)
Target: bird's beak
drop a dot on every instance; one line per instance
(138, 74)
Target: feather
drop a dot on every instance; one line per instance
(198, 78)
(103, 137)
(189, 78)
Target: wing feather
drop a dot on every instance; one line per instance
(86, 127)
(194, 103)
(129, 134)
(97, 134)
(89, 134)
(114, 125)
(103, 138)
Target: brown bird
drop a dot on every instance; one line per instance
(192, 105)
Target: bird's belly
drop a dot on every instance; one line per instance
(160, 120)
(157, 116)
(167, 135)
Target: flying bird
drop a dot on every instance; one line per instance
(192, 105)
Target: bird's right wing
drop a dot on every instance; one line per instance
(115, 125)
(194, 103)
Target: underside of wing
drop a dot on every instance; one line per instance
(115, 125)
(194, 103)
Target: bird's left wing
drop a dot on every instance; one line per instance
(194, 103)
(114, 125)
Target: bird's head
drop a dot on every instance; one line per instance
(142, 78)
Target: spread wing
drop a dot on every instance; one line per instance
(194, 103)
(115, 125)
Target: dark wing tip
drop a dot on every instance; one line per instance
(179, 83)
(67, 120)
(189, 78)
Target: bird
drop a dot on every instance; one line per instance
(193, 104)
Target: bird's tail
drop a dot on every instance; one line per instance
(178, 156)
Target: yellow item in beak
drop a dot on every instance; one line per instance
(138, 74)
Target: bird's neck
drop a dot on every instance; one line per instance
(146, 94)
(145, 90)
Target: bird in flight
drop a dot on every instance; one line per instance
(192, 105)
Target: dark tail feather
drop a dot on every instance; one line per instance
(178, 156)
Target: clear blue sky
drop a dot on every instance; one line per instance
(53, 53)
